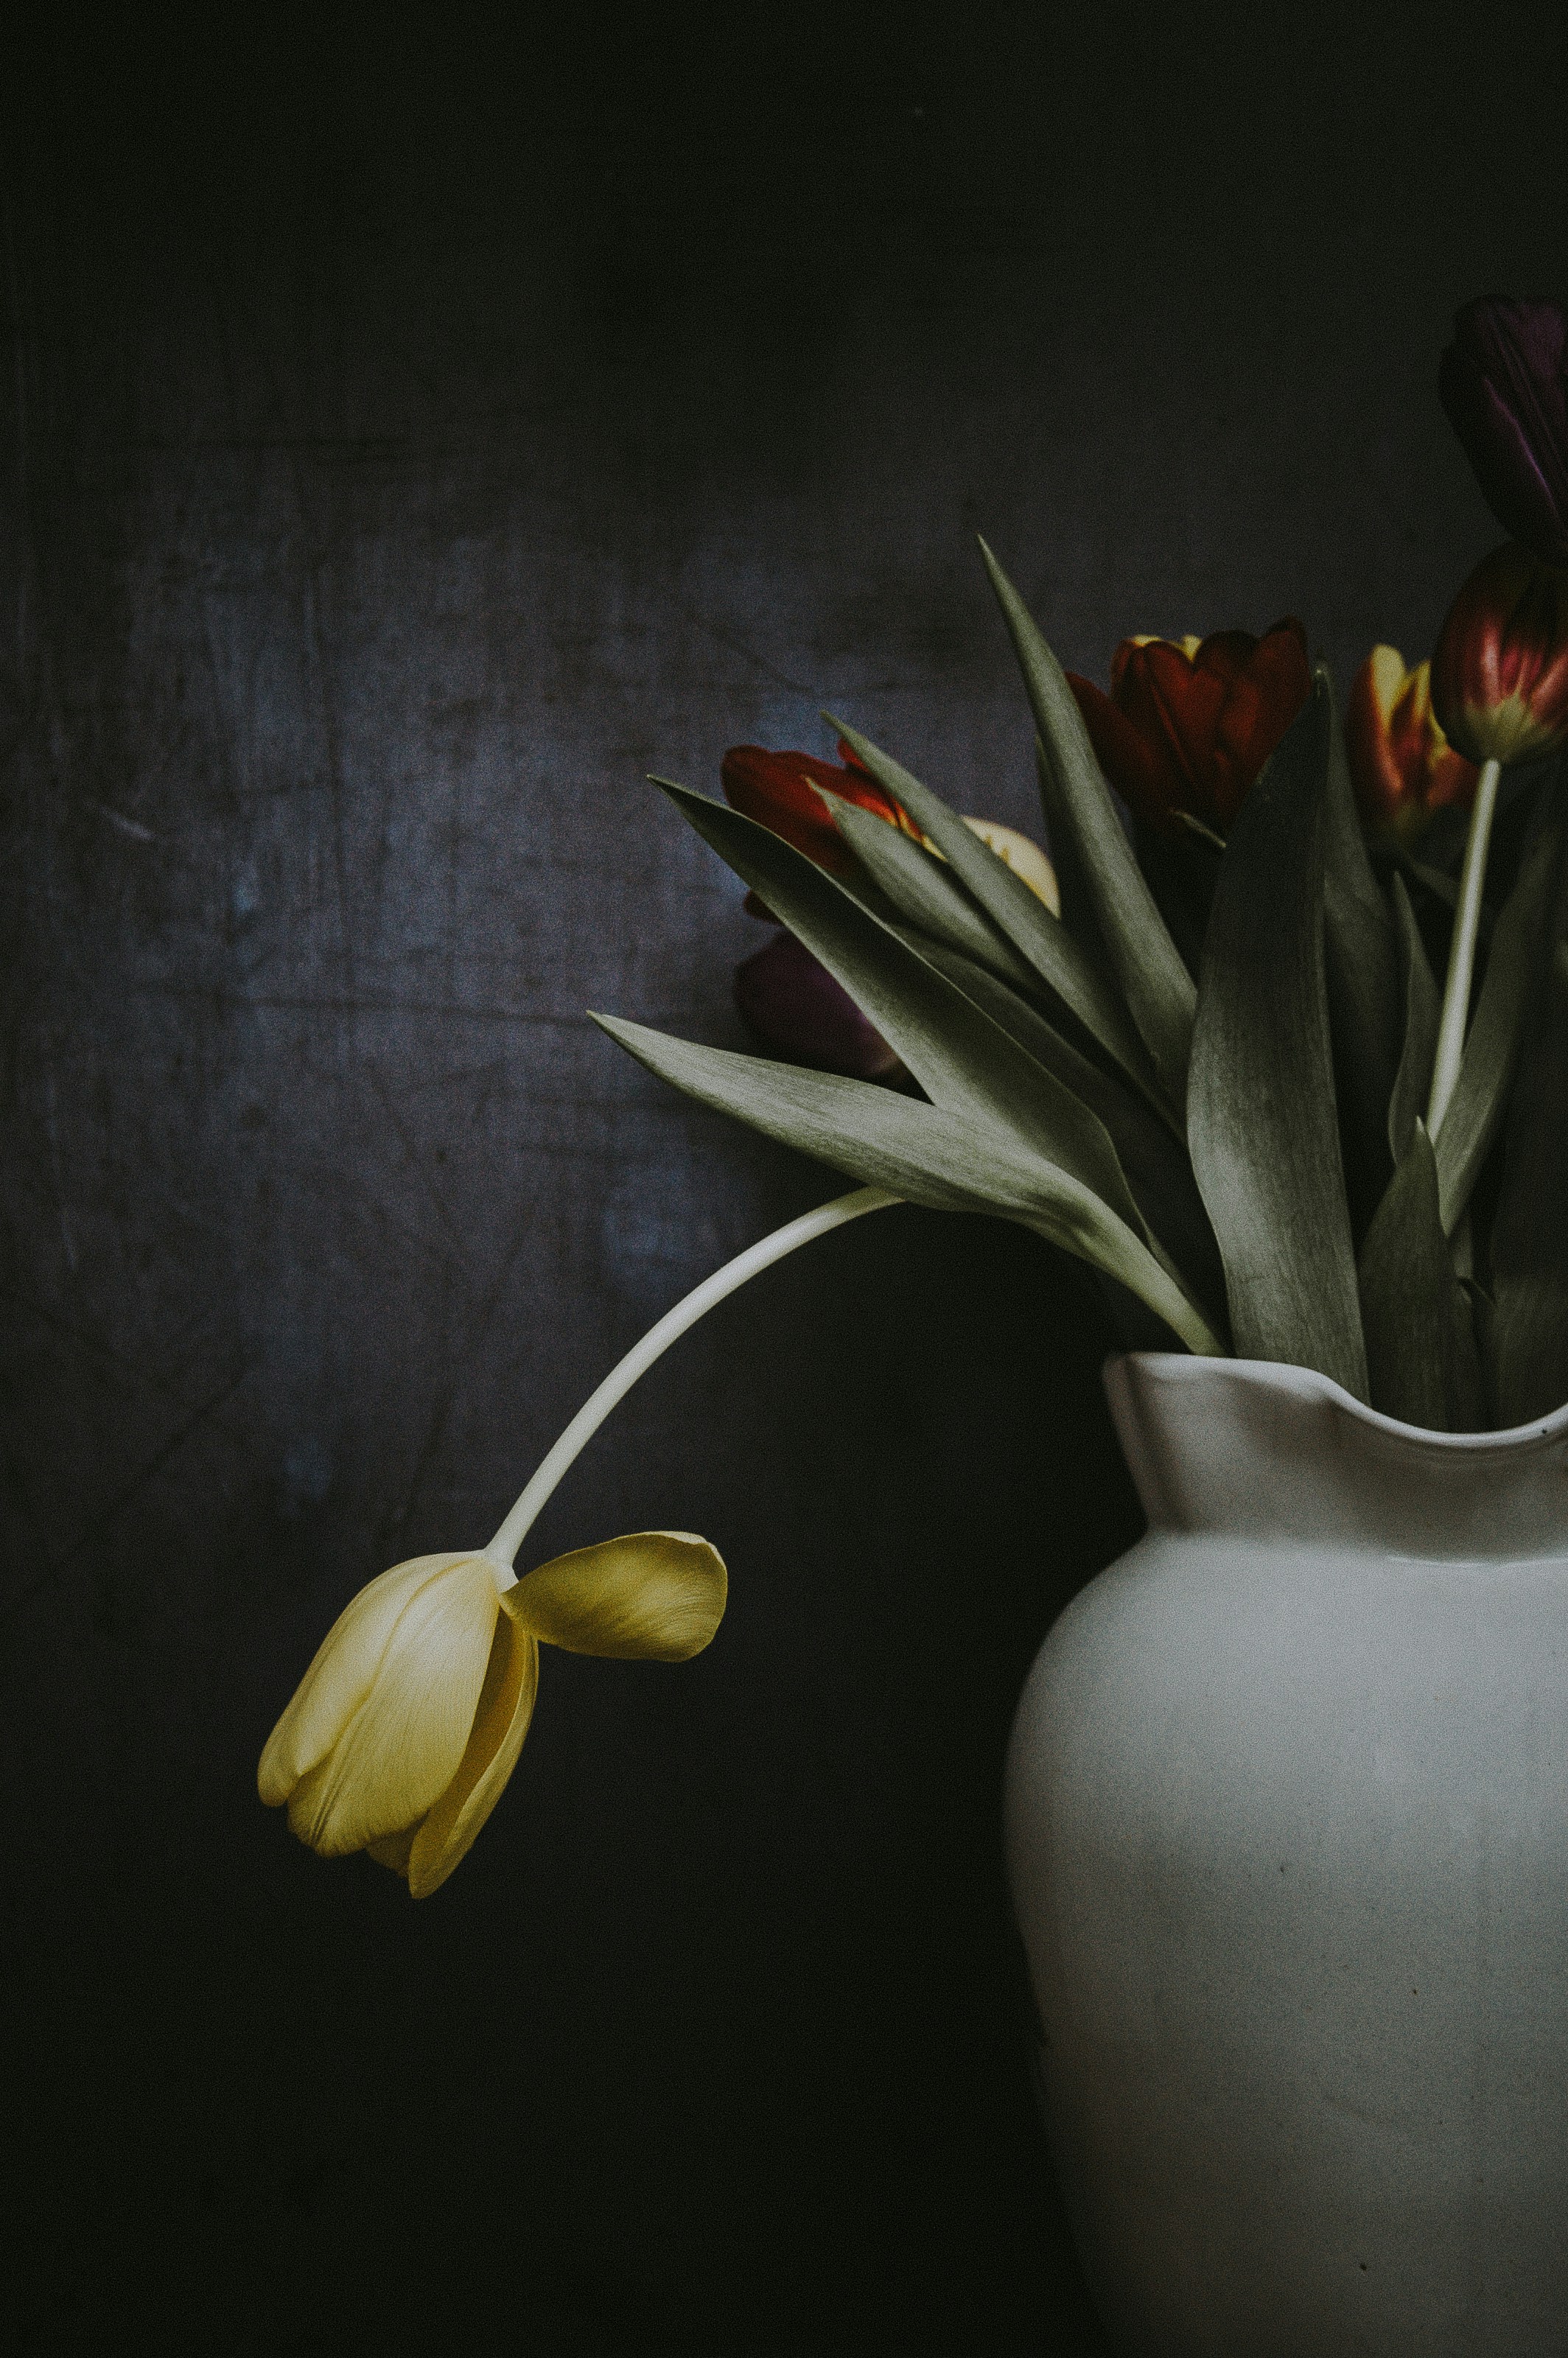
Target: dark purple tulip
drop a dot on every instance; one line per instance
(1504, 383)
(797, 1010)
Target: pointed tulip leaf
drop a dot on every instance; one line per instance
(1361, 960)
(962, 1060)
(1072, 880)
(1029, 924)
(913, 881)
(1529, 1233)
(1261, 1114)
(1422, 1359)
(1492, 1045)
(1154, 982)
(947, 1161)
(1159, 1172)
(1422, 1009)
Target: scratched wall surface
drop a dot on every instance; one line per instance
(413, 435)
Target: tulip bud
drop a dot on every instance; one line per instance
(1499, 676)
(800, 1013)
(1403, 767)
(405, 1727)
(1504, 384)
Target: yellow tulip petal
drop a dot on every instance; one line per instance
(1024, 855)
(403, 1746)
(1387, 677)
(392, 1850)
(653, 1597)
(340, 1675)
(505, 1708)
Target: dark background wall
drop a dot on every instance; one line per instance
(416, 426)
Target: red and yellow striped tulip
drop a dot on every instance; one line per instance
(1403, 768)
(1499, 676)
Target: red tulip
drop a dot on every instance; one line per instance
(779, 790)
(1188, 726)
(1402, 766)
(1499, 678)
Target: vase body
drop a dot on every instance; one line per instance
(1287, 1826)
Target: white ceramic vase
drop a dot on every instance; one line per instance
(1287, 1823)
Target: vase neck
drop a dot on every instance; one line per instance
(1252, 1450)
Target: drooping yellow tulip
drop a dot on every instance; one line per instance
(408, 1722)
(405, 1727)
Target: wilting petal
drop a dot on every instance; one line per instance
(796, 1009)
(653, 1597)
(506, 1709)
(340, 1676)
(1024, 855)
(404, 1745)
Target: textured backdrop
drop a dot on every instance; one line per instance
(418, 426)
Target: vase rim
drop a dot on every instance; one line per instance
(1262, 1449)
(1309, 1384)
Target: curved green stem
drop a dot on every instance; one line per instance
(1462, 949)
(735, 1273)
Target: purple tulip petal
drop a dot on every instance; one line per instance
(797, 1010)
(1504, 384)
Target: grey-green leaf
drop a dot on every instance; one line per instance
(1422, 1359)
(924, 893)
(962, 1060)
(1154, 982)
(1361, 958)
(1423, 1010)
(1261, 1118)
(1529, 1234)
(947, 1161)
(1492, 1043)
(1157, 1170)
(1022, 916)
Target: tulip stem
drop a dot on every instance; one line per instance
(735, 1273)
(1462, 949)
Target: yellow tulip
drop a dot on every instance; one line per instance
(404, 1729)
(408, 1722)
(1024, 855)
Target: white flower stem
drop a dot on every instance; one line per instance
(1462, 949)
(504, 1547)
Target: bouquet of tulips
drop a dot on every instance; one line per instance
(1281, 1049)
(1276, 1040)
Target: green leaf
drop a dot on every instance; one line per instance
(1157, 1167)
(1029, 924)
(1154, 982)
(1361, 960)
(962, 1060)
(1529, 1233)
(1492, 1045)
(947, 1161)
(922, 891)
(1422, 1009)
(1072, 880)
(1421, 1341)
(1261, 1110)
